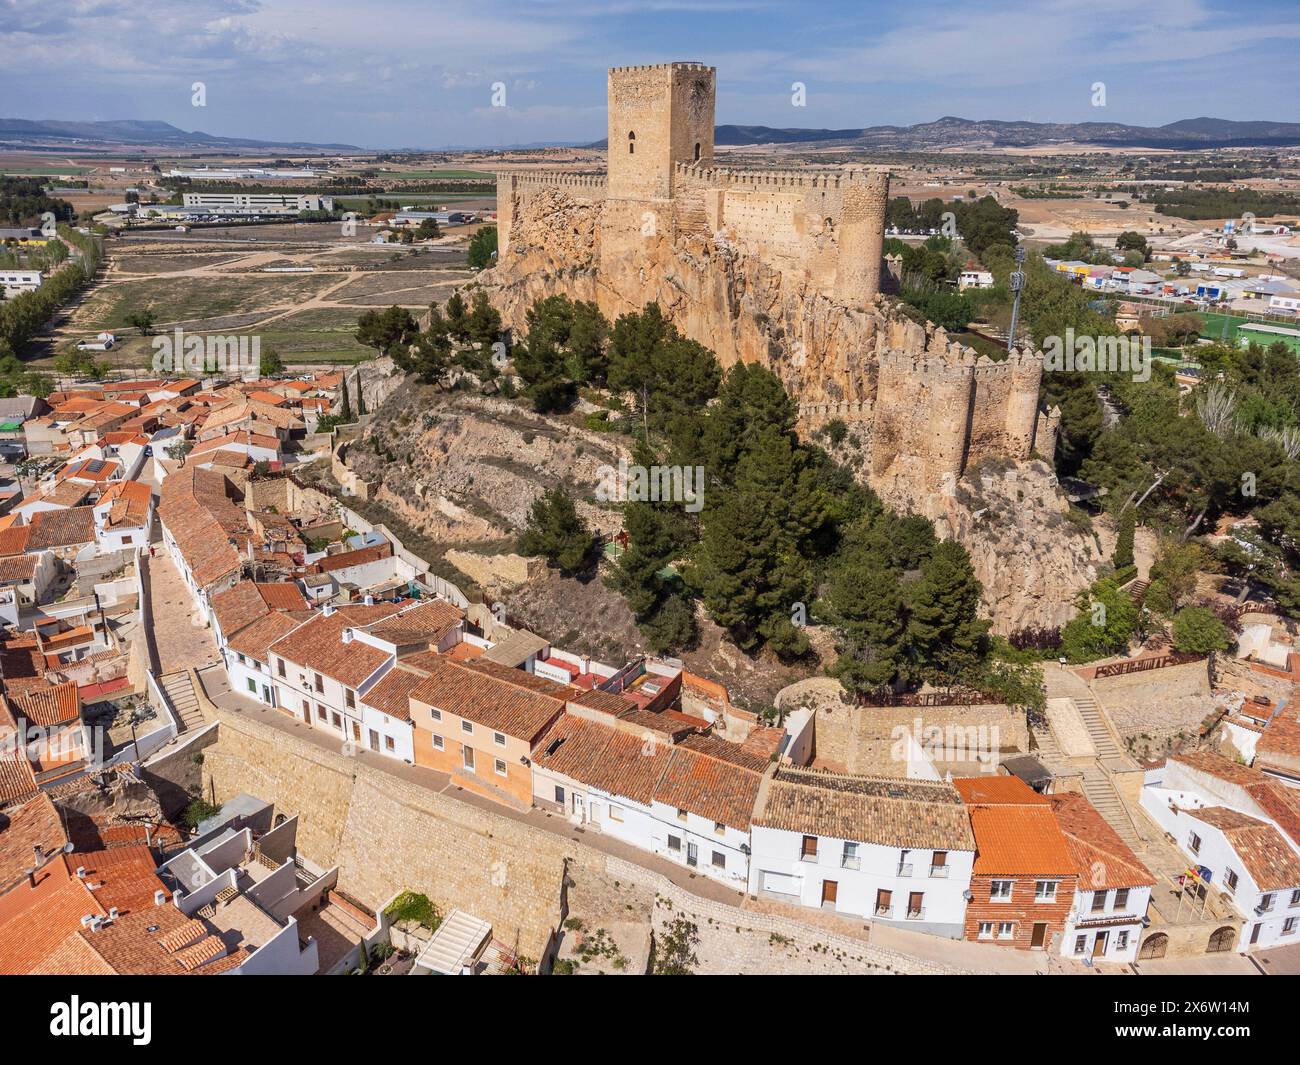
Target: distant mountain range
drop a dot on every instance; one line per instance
(17, 132)
(944, 133)
(951, 132)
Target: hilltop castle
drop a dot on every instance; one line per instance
(779, 267)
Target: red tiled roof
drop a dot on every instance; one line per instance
(13, 540)
(62, 528)
(55, 705)
(487, 701)
(318, 645)
(1102, 859)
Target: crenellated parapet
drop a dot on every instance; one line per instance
(819, 179)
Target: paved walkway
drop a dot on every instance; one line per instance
(177, 641)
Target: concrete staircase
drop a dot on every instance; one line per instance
(179, 690)
(1099, 790)
(1098, 729)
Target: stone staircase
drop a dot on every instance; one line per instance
(180, 691)
(1095, 774)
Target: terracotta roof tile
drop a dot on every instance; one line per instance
(495, 704)
(893, 813)
(318, 645)
(1102, 859)
(1272, 864)
(55, 705)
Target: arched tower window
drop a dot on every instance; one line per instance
(697, 151)
(631, 143)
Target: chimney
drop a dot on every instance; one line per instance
(81, 872)
(329, 610)
(40, 853)
(112, 913)
(96, 923)
(159, 897)
(347, 635)
(370, 600)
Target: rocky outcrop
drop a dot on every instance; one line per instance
(464, 469)
(1031, 559)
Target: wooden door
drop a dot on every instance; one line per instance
(1039, 936)
(830, 891)
(1099, 944)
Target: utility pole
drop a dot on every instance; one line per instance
(1017, 283)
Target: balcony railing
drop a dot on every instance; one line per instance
(806, 857)
(939, 872)
(884, 911)
(850, 861)
(916, 915)
(904, 868)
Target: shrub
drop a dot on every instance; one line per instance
(411, 906)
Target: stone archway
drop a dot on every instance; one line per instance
(1221, 939)
(1154, 946)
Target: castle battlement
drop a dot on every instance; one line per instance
(712, 173)
(680, 65)
(569, 179)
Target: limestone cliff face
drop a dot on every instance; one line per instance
(928, 409)
(1030, 558)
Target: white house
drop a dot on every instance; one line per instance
(1234, 824)
(124, 516)
(897, 851)
(1113, 889)
(15, 282)
(690, 801)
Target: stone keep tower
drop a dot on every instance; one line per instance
(658, 116)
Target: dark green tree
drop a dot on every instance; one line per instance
(557, 532)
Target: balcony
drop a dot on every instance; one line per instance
(806, 857)
(904, 869)
(916, 915)
(850, 862)
(884, 911)
(939, 872)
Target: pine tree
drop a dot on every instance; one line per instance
(865, 605)
(1124, 539)
(944, 629)
(556, 531)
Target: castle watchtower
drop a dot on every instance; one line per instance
(658, 116)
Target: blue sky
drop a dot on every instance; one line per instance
(419, 73)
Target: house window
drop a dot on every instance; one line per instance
(467, 726)
(467, 757)
(435, 713)
(1295, 898)
(319, 681)
(808, 851)
(1230, 880)
(1194, 843)
(674, 843)
(498, 739)
(437, 742)
(1288, 926)
(631, 143)
(279, 666)
(849, 859)
(1266, 901)
(1045, 891)
(389, 745)
(719, 828)
(885, 904)
(986, 930)
(939, 864)
(1098, 901)
(999, 891)
(559, 794)
(697, 151)
(320, 713)
(350, 697)
(1006, 929)
(719, 860)
(1121, 898)
(500, 766)
(615, 813)
(252, 685)
(1121, 941)
(1080, 944)
(681, 814)
(338, 721)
